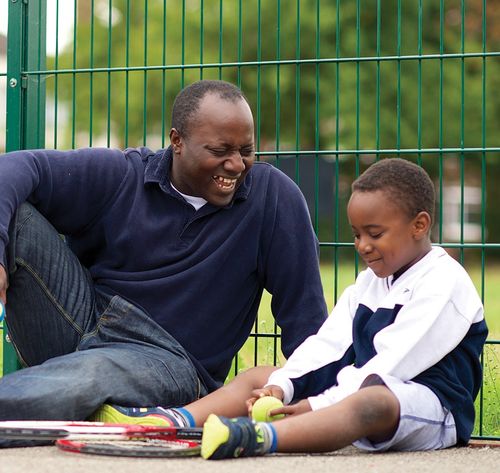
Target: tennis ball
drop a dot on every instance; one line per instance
(262, 406)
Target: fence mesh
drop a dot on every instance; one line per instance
(334, 86)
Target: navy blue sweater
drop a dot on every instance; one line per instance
(199, 274)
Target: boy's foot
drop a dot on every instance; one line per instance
(231, 438)
(112, 414)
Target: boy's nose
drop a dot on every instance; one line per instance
(364, 247)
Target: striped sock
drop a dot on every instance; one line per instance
(181, 416)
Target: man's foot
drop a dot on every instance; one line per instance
(112, 414)
(240, 437)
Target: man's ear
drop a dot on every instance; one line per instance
(421, 225)
(175, 140)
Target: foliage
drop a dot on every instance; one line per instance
(358, 97)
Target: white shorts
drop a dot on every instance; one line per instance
(424, 423)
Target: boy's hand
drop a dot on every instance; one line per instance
(274, 391)
(294, 409)
(3, 285)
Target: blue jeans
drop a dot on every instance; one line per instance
(81, 348)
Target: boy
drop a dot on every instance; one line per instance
(395, 366)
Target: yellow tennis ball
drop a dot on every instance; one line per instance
(262, 406)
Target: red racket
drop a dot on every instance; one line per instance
(109, 439)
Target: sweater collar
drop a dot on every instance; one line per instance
(158, 170)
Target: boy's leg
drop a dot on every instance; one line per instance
(229, 401)
(425, 424)
(371, 412)
(50, 298)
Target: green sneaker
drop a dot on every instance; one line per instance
(239, 437)
(112, 414)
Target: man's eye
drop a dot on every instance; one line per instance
(218, 151)
(246, 151)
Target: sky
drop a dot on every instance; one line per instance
(65, 21)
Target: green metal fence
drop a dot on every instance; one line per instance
(334, 85)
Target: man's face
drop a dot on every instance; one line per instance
(214, 158)
(388, 241)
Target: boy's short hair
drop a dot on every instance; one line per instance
(407, 185)
(187, 102)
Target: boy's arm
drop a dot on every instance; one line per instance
(316, 362)
(426, 329)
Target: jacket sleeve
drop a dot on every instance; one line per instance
(68, 187)
(289, 263)
(314, 365)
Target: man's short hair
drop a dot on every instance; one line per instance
(406, 184)
(188, 100)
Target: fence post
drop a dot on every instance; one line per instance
(25, 117)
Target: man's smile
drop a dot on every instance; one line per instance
(224, 183)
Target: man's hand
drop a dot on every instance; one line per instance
(3, 285)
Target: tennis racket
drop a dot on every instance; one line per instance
(109, 439)
(136, 447)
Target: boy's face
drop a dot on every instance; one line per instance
(388, 241)
(218, 151)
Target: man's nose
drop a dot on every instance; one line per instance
(234, 163)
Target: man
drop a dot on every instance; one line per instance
(160, 277)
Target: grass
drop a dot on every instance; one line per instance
(265, 349)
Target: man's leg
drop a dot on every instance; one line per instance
(127, 359)
(52, 309)
(50, 299)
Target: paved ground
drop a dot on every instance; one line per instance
(348, 460)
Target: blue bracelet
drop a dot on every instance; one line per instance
(2, 312)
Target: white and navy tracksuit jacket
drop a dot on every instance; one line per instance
(427, 326)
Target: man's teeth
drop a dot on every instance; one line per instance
(224, 181)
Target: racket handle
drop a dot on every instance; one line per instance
(30, 434)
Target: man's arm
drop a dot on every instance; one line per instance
(290, 263)
(68, 187)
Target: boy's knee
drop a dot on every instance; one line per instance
(378, 406)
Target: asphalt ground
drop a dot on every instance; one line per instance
(454, 460)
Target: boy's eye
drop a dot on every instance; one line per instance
(376, 235)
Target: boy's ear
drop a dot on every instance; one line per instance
(175, 140)
(421, 225)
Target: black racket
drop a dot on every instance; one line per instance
(54, 430)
